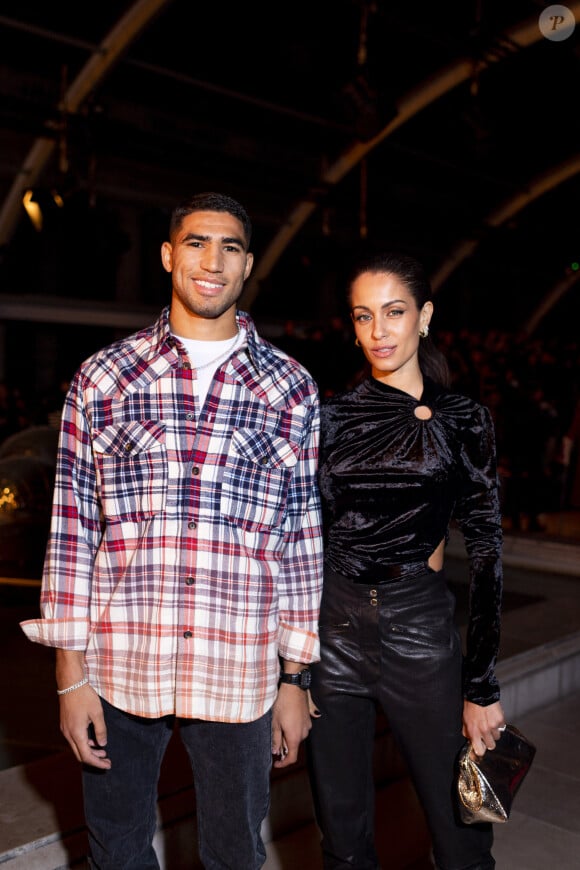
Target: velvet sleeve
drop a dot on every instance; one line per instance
(478, 515)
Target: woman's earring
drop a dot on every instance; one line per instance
(357, 342)
(424, 332)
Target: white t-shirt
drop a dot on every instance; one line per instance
(207, 356)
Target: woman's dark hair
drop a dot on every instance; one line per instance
(210, 201)
(413, 275)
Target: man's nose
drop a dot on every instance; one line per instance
(212, 259)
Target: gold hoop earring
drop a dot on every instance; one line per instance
(424, 332)
(357, 342)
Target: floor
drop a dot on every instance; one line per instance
(543, 830)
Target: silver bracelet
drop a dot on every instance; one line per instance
(78, 685)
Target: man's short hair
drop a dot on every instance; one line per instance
(210, 201)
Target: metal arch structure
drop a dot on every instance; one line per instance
(140, 15)
(545, 182)
(521, 36)
(101, 61)
(550, 299)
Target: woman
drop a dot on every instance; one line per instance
(400, 457)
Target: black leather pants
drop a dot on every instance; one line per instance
(397, 644)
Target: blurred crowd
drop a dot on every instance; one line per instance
(530, 385)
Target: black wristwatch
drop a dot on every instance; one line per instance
(301, 679)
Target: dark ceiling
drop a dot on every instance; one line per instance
(264, 101)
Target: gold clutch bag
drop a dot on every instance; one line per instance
(487, 786)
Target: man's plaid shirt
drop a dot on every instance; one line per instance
(185, 551)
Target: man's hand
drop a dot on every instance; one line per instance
(290, 724)
(83, 724)
(81, 713)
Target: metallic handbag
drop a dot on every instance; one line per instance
(487, 786)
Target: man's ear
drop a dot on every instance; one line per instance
(249, 264)
(167, 256)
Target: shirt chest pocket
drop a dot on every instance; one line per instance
(256, 479)
(131, 462)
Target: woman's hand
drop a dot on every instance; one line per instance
(314, 711)
(483, 725)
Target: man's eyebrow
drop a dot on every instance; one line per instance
(225, 240)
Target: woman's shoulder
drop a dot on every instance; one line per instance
(348, 396)
(344, 410)
(448, 396)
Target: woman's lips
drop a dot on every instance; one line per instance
(383, 352)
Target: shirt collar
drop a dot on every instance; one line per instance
(164, 343)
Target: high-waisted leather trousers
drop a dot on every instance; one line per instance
(395, 644)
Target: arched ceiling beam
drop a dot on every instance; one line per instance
(542, 184)
(521, 36)
(549, 300)
(99, 64)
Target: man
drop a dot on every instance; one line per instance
(183, 566)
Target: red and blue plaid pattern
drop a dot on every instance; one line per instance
(185, 552)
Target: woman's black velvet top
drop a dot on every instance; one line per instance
(391, 483)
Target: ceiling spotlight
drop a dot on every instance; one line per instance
(38, 202)
(33, 209)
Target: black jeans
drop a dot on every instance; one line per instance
(231, 765)
(396, 644)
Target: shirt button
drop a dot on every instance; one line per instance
(195, 471)
(186, 365)
(187, 634)
(373, 593)
(264, 460)
(374, 602)
(192, 525)
(128, 446)
(189, 581)
(189, 416)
